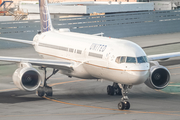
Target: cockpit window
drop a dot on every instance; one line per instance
(131, 60)
(118, 59)
(145, 58)
(123, 59)
(142, 59)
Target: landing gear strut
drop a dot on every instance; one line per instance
(45, 89)
(114, 89)
(124, 104)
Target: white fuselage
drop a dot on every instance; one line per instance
(94, 56)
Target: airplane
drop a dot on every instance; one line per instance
(89, 57)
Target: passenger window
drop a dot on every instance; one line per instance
(131, 60)
(123, 60)
(118, 59)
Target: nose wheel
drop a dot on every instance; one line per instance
(124, 103)
(46, 90)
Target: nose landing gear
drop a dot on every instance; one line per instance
(124, 104)
(120, 89)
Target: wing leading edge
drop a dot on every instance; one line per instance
(67, 66)
(17, 40)
(163, 56)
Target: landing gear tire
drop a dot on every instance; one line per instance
(48, 91)
(124, 105)
(127, 105)
(40, 91)
(121, 106)
(110, 90)
(114, 89)
(118, 91)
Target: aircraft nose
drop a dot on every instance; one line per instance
(138, 74)
(138, 77)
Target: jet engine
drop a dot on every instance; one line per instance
(27, 78)
(159, 77)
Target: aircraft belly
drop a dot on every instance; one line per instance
(114, 75)
(96, 68)
(93, 70)
(126, 77)
(81, 72)
(108, 74)
(117, 76)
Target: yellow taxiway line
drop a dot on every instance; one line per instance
(53, 84)
(58, 101)
(129, 111)
(5, 90)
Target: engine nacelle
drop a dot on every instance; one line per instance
(27, 78)
(159, 77)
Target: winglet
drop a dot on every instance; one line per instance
(46, 24)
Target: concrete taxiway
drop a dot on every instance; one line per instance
(79, 99)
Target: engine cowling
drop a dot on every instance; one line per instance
(27, 78)
(159, 77)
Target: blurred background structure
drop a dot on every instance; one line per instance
(28, 9)
(20, 19)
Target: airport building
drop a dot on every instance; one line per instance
(114, 19)
(56, 1)
(28, 9)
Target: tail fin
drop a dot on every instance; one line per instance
(46, 24)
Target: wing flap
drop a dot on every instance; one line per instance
(68, 66)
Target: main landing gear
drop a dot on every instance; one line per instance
(120, 89)
(45, 89)
(114, 89)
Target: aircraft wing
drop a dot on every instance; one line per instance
(41, 62)
(163, 56)
(17, 40)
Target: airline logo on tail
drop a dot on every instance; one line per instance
(46, 24)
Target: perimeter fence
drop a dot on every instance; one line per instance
(117, 25)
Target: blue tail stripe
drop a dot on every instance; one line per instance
(46, 24)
